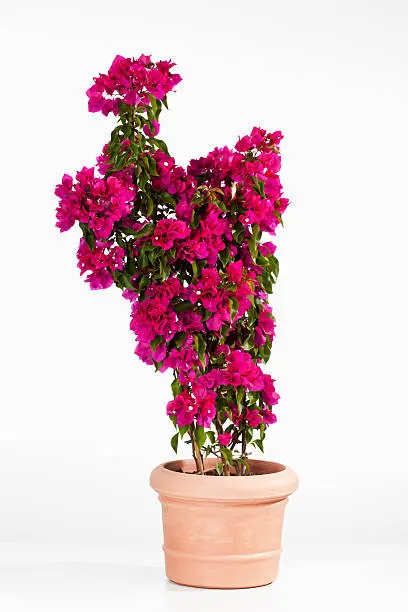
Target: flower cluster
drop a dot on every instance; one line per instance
(185, 246)
(185, 409)
(98, 261)
(97, 202)
(131, 81)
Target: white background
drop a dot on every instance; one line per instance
(82, 420)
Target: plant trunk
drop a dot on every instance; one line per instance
(243, 450)
(196, 452)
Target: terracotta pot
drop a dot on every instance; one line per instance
(223, 531)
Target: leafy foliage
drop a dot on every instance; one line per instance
(185, 246)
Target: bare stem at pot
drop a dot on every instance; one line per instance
(196, 452)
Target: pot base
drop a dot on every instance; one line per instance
(223, 572)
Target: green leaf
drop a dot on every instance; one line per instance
(220, 468)
(240, 392)
(154, 254)
(143, 178)
(174, 442)
(195, 219)
(183, 430)
(259, 444)
(146, 230)
(88, 235)
(122, 279)
(267, 281)
(224, 257)
(143, 259)
(152, 166)
(238, 232)
(121, 162)
(248, 435)
(164, 267)
(248, 345)
(120, 240)
(211, 436)
(265, 351)
(167, 197)
(274, 263)
(158, 365)
(153, 102)
(183, 306)
(143, 283)
(227, 454)
(195, 269)
(200, 345)
(200, 435)
(278, 216)
(160, 144)
(244, 462)
(155, 343)
(176, 387)
(179, 339)
(259, 186)
(256, 231)
(252, 316)
(207, 314)
(234, 305)
(252, 397)
(150, 207)
(253, 248)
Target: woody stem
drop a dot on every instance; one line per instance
(196, 451)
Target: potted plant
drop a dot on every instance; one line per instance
(186, 248)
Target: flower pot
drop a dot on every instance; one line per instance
(223, 531)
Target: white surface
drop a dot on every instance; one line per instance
(77, 408)
(334, 579)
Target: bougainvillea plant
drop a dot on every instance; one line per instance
(184, 245)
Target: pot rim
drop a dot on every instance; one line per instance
(274, 484)
(211, 462)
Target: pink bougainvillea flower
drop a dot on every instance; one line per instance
(266, 323)
(161, 80)
(269, 395)
(259, 336)
(215, 322)
(267, 248)
(253, 418)
(234, 271)
(241, 371)
(166, 290)
(268, 417)
(224, 438)
(167, 231)
(207, 409)
(131, 80)
(152, 318)
(207, 290)
(100, 262)
(191, 321)
(184, 408)
(99, 202)
(183, 359)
